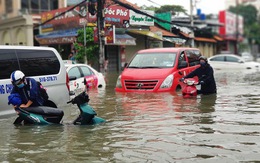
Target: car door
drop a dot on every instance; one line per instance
(183, 58)
(218, 62)
(76, 85)
(233, 63)
(90, 76)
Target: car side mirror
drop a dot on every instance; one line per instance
(182, 64)
(72, 78)
(125, 65)
(240, 61)
(85, 81)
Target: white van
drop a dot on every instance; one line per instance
(44, 64)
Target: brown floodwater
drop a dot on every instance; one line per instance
(149, 127)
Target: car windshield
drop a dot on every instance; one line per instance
(153, 60)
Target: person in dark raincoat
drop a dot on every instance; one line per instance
(205, 74)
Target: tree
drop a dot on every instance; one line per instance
(249, 13)
(253, 33)
(174, 9)
(251, 22)
(152, 8)
(91, 50)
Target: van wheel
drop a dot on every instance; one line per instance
(178, 88)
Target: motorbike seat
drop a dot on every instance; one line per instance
(45, 110)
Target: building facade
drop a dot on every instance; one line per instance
(19, 17)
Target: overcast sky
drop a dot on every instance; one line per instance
(206, 6)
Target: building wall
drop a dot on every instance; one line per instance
(206, 49)
(3, 12)
(131, 50)
(17, 6)
(17, 31)
(16, 27)
(62, 3)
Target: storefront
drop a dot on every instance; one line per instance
(60, 40)
(116, 52)
(232, 31)
(61, 32)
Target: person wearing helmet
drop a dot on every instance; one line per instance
(205, 74)
(27, 88)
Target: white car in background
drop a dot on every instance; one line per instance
(78, 72)
(231, 62)
(247, 56)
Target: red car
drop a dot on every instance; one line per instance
(157, 70)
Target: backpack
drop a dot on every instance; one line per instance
(42, 90)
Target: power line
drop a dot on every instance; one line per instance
(154, 2)
(62, 13)
(116, 1)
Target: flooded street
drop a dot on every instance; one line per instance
(152, 127)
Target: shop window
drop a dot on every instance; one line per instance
(44, 6)
(9, 6)
(54, 4)
(25, 4)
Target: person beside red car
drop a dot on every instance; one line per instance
(205, 74)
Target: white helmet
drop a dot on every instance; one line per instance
(17, 76)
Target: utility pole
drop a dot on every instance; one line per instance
(191, 23)
(85, 43)
(101, 33)
(237, 30)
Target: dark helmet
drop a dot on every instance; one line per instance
(203, 58)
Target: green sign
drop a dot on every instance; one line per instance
(164, 16)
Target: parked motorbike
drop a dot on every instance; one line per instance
(43, 115)
(189, 89)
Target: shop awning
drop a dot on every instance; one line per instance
(205, 39)
(174, 40)
(123, 39)
(164, 32)
(59, 37)
(145, 33)
(218, 38)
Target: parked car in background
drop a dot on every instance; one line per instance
(247, 56)
(232, 62)
(78, 72)
(157, 70)
(69, 62)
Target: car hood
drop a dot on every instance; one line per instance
(145, 74)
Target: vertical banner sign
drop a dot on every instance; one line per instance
(95, 35)
(109, 34)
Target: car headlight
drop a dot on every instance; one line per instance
(167, 83)
(118, 82)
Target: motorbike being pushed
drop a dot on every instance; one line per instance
(44, 115)
(189, 89)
